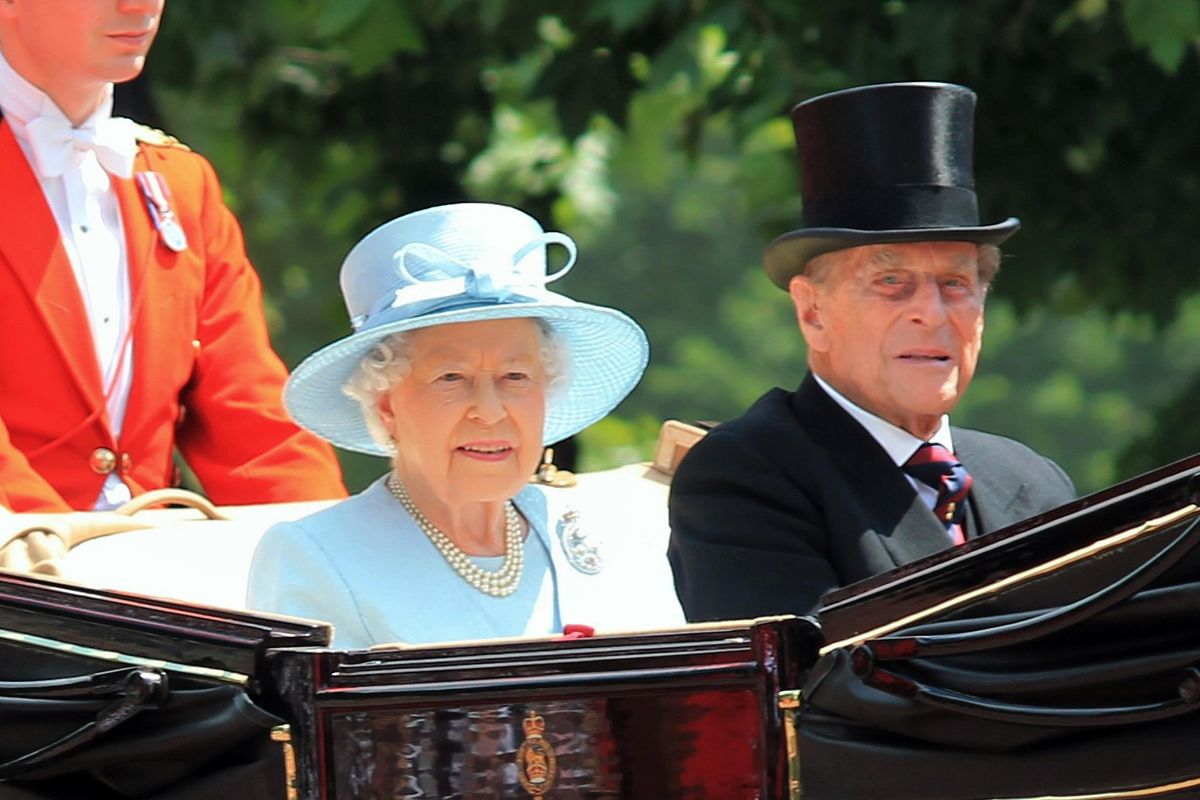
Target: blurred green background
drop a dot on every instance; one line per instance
(655, 132)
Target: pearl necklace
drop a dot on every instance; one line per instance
(500, 583)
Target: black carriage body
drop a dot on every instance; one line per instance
(1056, 658)
(688, 713)
(105, 695)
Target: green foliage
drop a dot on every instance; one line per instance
(656, 133)
(618, 439)
(1166, 28)
(1086, 388)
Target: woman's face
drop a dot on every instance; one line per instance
(467, 420)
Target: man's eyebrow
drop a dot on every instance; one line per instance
(885, 258)
(966, 260)
(890, 259)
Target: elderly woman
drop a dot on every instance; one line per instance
(462, 365)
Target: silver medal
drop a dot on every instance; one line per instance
(173, 235)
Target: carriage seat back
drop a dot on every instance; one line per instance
(201, 553)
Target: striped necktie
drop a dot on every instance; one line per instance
(938, 468)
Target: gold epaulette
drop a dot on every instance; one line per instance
(148, 135)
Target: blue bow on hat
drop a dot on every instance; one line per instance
(434, 280)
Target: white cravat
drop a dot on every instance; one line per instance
(57, 147)
(70, 164)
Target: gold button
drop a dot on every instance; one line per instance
(103, 460)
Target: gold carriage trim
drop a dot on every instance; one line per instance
(790, 702)
(1082, 554)
(43, 643)
(1148, 791)
(283, 735)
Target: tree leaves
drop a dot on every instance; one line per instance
(656, 133)
(370, 32)
(1166, 28)
(334, 19)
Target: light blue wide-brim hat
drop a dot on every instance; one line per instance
(467, 262)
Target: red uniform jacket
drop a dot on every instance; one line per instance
(205, 379)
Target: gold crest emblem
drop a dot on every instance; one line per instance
(536, 763)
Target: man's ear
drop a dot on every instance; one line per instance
(807, 300)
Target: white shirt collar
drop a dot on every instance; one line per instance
(897, 442)
(22, 102)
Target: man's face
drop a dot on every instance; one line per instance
(84, 43)
(896, 328)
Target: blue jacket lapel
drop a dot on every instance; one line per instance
(578, 602)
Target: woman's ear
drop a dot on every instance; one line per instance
(807, 298)
(387, 412)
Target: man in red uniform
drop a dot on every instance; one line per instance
(133, 321)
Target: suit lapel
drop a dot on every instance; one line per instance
(991, 501)
(895, 514)
(918, 534)
(140, 239)
(149, 299)
(31, 243)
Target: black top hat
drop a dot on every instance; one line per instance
(884, 163)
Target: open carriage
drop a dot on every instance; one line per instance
(1056, 658)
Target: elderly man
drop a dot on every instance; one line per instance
(859, 471)
(133, 320)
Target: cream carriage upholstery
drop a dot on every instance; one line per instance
(201, 553)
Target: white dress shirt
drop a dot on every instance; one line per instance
(898, 443)
(85, 207)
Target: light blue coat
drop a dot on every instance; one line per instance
(366, 567)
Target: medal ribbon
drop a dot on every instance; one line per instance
(158, 200)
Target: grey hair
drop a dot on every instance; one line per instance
(818, 267)
(389, 362)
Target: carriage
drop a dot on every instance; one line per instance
(1059, 657)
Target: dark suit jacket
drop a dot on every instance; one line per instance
(794, 498)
